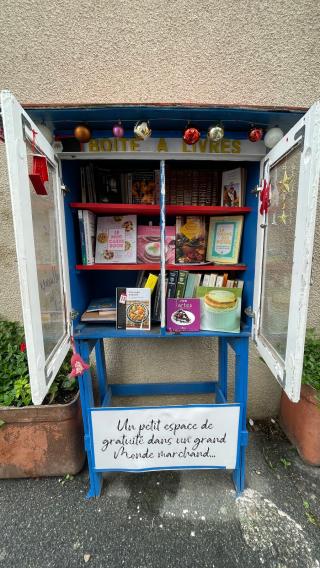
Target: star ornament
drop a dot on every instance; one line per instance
(283, 218)
(284, 184)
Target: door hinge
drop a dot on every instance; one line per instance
(64, 188)
(74, 314)
(250, 313)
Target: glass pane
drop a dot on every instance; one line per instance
(48, 258)
(278, 252)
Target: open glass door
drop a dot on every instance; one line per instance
(41, 247)
(285, 237)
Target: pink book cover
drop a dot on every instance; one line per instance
(148, 244)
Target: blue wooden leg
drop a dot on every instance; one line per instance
(105, 392)
(86, 396)
(241, 349)
(222, 384)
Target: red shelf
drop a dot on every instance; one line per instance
(156, 267)
(150, 267)
(205, 210)
(136, 209)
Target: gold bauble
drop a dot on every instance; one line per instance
(142, 130)
(82, 133)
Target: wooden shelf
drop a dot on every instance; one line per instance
(136, 209)
(156, 267)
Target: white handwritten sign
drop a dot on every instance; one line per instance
(136, 439)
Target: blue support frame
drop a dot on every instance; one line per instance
(239, 344)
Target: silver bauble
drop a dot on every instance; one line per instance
(215, 133)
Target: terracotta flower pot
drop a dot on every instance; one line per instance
(301, 423)
(39, 441)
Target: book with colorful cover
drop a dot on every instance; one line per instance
(133, 308)
(232, 188)
(143, 187)
(190, 240)
(224, 239)
(183, 314)
(148, 244)
(220, 308)
(116, 240)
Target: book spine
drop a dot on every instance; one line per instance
(121, 308)
(181, 284)
(172, 284)
(206, 280)
(157, 303)
(86, 223)
(82, 238)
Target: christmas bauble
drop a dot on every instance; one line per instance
(273, 136)
(142, 130)
(82, 133)
(216, 132)
(118, 130)
(255, 134)
(191, 135)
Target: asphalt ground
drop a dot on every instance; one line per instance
(169, 519)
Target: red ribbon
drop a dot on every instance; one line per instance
(265, 197)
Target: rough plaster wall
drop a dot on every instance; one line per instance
(149, 50)
(258, 53)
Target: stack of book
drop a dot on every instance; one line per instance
(100, 310)
(183, 284)
(192, 186)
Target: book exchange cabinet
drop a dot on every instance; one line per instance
(278, 211)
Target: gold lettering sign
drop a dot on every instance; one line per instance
(203, 146)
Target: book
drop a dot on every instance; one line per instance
(116, 240)
(232, 189)
(143, 187)
(190, 286)
(151, 282)
(206, 280)
(213, 279)
(183, 315)
(148, 244)
(220, 308)
(82, 238)
(100, 310)
(224, 239)
(172, 283)
(133, 308)
(190, 240)
(181, 283)
(89, 223)
(108, 184)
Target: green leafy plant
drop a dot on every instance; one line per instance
(311, 361)
(14, 373)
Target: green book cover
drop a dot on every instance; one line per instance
(189, 289)
(181, 284)
(220, 308)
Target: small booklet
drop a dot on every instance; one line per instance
(133, 308)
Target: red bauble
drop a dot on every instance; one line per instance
(255, 134)
(191, 135)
